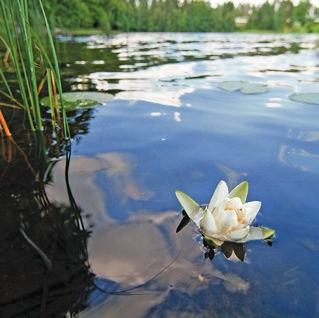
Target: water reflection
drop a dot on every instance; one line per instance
(162, 68)
(129, 157)
(232, 176)
(142, 248)
(96, 182)
(6, 149)
(232, 251)
(299, 159)
(212, 134)
(306, 136)
(158, 48)
(44, 266)
(141, 251)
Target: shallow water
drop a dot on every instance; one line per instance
(171, 127)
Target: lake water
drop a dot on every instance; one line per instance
(171, 126)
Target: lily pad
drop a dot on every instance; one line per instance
(231, 86)
(78, 100)
(243, 87)
(254, 88)
(308, 98)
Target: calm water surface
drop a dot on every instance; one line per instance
(170, 127)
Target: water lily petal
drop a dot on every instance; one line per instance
(236, 203)
(237, 235)
(250, 211)
(208, 224)
(225, 220)
(192, 208)
(220, 194)
(240, 191)
(258, 233)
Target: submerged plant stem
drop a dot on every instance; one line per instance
(45, 259)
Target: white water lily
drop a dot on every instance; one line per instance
(228, 217)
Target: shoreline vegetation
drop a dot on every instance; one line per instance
(82, 17)
(89, 32)
(29, 66)
(27, 48)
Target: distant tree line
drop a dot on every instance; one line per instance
(177, 15)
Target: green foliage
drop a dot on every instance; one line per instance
(175, 15)
(79, 100)
(30, 61)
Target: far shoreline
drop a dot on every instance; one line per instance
(89, 32)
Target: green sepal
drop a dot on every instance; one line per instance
(241, 192)
(267, 232)
(191, 207)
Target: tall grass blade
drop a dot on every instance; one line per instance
(27, 38)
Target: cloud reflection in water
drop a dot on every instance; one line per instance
(114, 167)
(130, 253)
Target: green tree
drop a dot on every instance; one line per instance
(301, 12)
(177, 15)
(283, 15)
(199, 16)
(266, 17)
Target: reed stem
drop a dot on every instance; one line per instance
(4, 125)
(30, 52)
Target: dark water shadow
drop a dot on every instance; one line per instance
(44, 269)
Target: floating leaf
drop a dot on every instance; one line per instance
(244, 87)
(240, 191)
(308, 98)
(77, 100)
(231, 86)
(254, 88)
